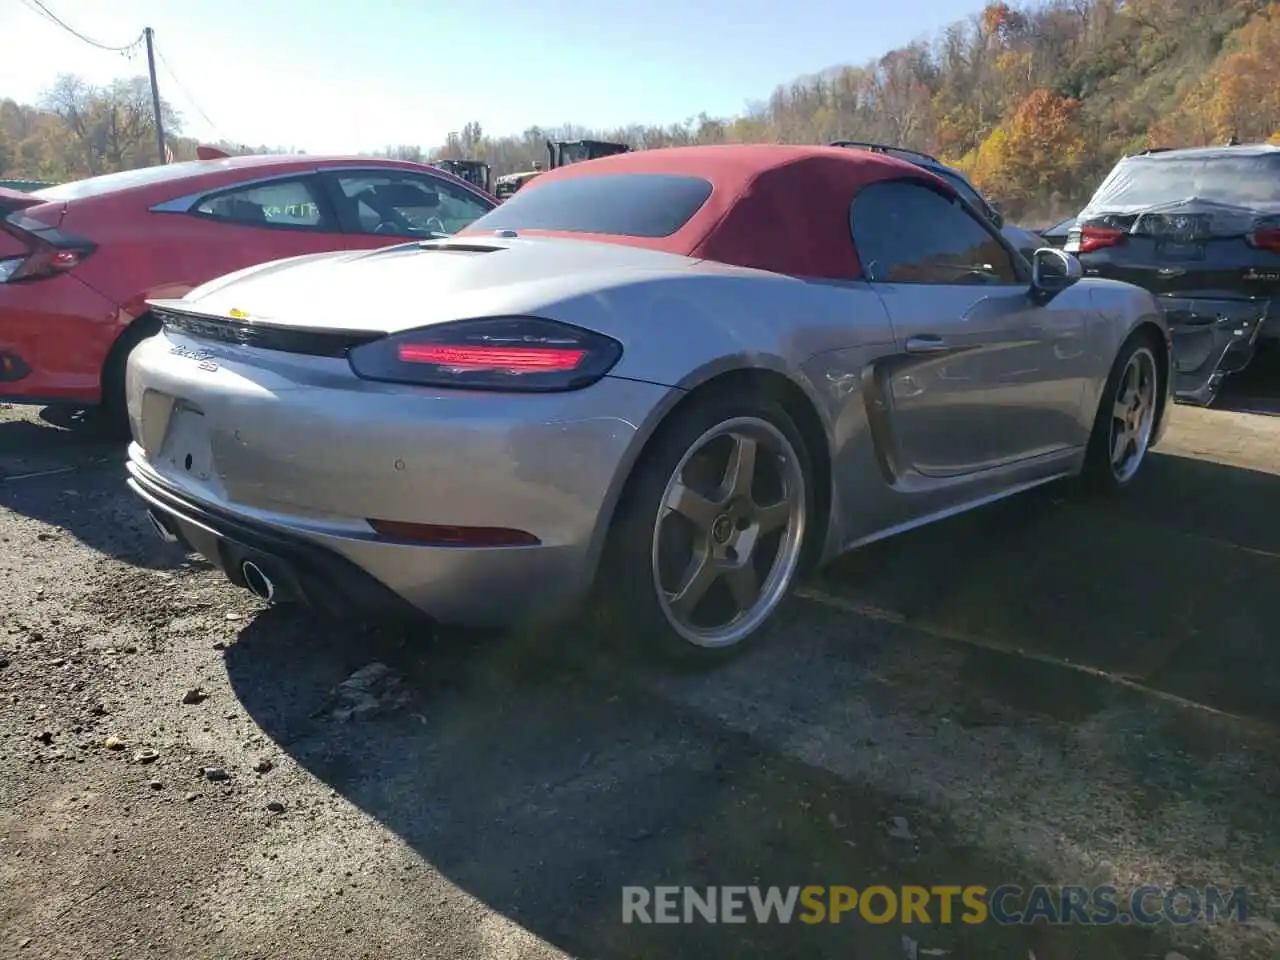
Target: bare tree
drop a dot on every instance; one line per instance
(113, 127)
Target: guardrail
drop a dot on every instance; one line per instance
(26, 186)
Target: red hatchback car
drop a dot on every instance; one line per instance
(79, 261)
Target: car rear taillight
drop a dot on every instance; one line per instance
(1096, 238)
(42, 262)
(504, 353)
(46, 250)
(1267, 238)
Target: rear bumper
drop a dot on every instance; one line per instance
(296, 459)
(55, 335)
(299, 570)
(351, 578)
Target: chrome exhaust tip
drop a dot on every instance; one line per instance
(163, 532)
(259, 584)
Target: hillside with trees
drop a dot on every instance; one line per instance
(1035, 102)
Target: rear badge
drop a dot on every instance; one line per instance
(202, 357)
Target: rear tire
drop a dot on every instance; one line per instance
(1126, 419)
(709, 534)
(114, 409)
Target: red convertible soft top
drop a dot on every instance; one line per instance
(772, 206)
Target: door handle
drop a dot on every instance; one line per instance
(927, 344)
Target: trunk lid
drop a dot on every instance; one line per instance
(414, 285)
(1190, 247)
(1201, 222)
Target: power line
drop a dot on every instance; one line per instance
(38, 7)
(186, 93)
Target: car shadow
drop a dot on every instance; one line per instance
(94, 506)
(51, 438)
(542, 785)
(71, 477)
(1168, 586)
(1255, 389)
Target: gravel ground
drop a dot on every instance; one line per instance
(1044, 691)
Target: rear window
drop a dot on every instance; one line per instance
(623, 205)
(126, 180)
(1151, 181)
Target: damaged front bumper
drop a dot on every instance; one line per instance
(1212, 338)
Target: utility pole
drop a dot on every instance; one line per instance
(155, 90)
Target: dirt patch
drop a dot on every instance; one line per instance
(500, 796)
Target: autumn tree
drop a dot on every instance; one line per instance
(1001, 23)
(1043, 148)
(1036, 100)
(985, 165)
(1239, 97)
(111, 127)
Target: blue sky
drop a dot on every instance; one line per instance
(343, 76)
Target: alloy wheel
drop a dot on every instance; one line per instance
(1133, 415)
(729, 532)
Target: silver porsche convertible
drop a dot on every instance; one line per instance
(660, 385)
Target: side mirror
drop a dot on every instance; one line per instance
(996, 216)
(1052, 271)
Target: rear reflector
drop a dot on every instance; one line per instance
(438, 535)
(490, 358)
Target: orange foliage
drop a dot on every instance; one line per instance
(994, 16)
(999, 20)
(1240, 97)
(1044, 145)
(1248, 81)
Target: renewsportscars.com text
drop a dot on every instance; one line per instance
(1102, 905)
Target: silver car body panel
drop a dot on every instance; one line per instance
(931, 399)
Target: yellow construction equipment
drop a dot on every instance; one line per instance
(475, 172)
